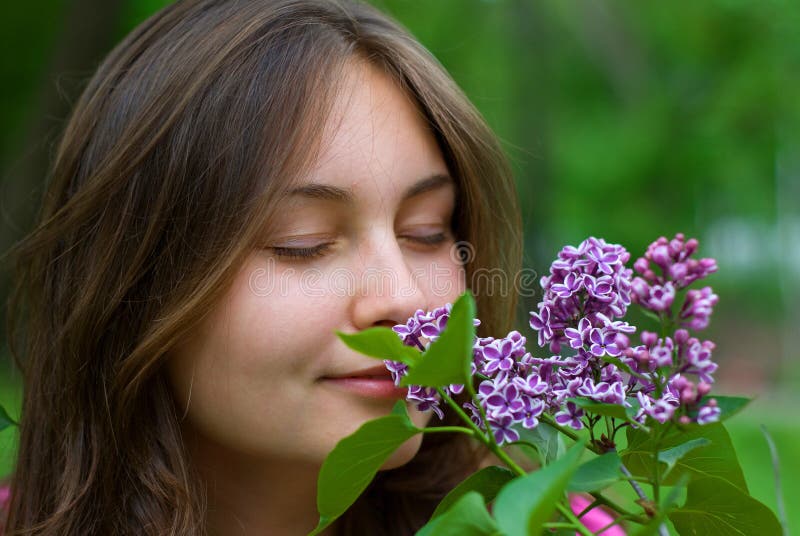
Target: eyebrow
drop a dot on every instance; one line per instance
(327, 192)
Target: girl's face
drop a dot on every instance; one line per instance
(364, 241)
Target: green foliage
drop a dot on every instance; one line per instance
(667, 503)
(662, 455)
(548, 441)
(728, 405)
(527, 502)
(467, 517)
(487, 482)
(607, 410)
(673, 455)
(447, 360)
(718, 501)
(380, 343)
(715, 506)
(717, 458)
(5, 420)
(596, 474)
(352, 464)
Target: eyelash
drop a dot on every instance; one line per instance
(320, 250)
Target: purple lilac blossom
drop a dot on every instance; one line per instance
(579, 320)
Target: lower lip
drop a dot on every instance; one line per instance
(369, 387)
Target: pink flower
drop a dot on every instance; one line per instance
(596, 518)
(5, 495)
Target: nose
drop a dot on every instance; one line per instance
(386, 290)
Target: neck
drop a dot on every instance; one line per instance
(251, 496)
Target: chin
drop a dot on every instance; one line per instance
(404, 454)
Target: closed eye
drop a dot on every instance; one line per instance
(437, 238)
(321, 249)
(302, 253)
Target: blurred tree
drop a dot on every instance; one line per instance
(623, 119)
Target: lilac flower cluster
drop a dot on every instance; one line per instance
(587, 287)
(587, 292)
(422, 329)
(677, 270)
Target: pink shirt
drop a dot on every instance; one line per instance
(596, 518)
(5, 495)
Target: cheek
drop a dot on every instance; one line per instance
(442, 280)
(257, 348)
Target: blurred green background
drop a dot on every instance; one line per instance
(625, 120)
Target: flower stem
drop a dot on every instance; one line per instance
(662, 529)
(473, 396)
(635, 485)
(599, 498)
(567, 432)
(484, 437)
(567, 512)
(450, 402)
(506, 459)
(460, 429)
(551, 422)
(559, 525)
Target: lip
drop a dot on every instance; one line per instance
(373, 382)
(377, 371)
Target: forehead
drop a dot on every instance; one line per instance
(376, 140)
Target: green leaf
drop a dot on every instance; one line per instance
(5, 420)
(728, 405)
(400, 409)
(651, 315)
(717, 459)
(527, 502)
(467, 517)
(673, 455)
(617, 362)
(353, 462)
(668, 502)
(547, 440)
(715, 506)
(597, 473)
(607, 410)
(447, 360)
(488, 481)
(381, 343)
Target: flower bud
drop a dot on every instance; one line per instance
(678, 271)
(640, 288)
(621, 340)
(691, 246)
(681, 336)
(641, 265)
(708, 265)
(649, 338)
(643, 358)
(661, 255)
(681, 383)
(703, 389)
(675, 247)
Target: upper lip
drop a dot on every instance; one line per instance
(376, 371)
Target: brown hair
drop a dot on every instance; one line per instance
(169, 160)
